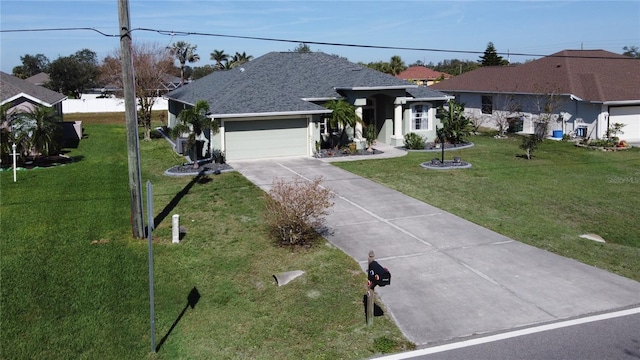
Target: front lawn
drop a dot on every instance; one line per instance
(548, 202)
(74, 284)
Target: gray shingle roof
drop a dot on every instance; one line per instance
(278, 81)
(592, 75)
(11, 86)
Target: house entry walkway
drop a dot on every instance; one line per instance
(452, 279)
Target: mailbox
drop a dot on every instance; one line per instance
(378, 275)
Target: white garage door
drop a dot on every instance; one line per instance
(630, 116)
(258, 139)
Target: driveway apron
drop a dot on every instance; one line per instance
(450, 278)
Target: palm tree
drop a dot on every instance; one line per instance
(195, 121)
(239, 59)
(456, 127)
(343, 114)
(219, 56)
(396, 65)
(184, 52)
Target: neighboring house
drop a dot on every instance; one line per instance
(24, 96)
(421, 75)
(273, 106)
(592, 89)
(39, 79)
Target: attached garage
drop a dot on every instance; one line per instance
(630, 116)
(255, 139)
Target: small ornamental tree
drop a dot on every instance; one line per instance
(456, 126)
(295, 210)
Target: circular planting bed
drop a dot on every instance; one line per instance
(437, 164)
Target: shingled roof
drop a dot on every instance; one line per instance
(13, 88)
(590, 75)
(421, 73)
(287, 82)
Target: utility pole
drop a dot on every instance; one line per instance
(133, 148)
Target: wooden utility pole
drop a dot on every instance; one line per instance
(133, 148)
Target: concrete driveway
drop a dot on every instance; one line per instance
(450, 278)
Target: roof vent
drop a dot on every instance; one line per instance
(241, 69)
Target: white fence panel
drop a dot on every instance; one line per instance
(96, 105)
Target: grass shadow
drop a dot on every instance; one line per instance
(192, 300)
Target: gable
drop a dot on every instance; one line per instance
(14, 88)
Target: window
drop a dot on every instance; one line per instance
(420, 117)
(323, 126)
(487, 104)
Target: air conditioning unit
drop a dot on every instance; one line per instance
(181, 145)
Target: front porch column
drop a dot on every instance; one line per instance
(397, 139)
(358, 124)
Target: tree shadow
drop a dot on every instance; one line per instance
(201, 178)
(192, 300)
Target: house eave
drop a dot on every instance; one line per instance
(618, 102)
(32, 98)
(364, 88)
(269, 114)
(441, 98)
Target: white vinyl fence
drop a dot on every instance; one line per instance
(93, 104)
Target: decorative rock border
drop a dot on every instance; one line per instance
(604, 148)
(436, 164)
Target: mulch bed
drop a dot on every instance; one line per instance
(42, 162)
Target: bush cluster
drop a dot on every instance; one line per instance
(296, 210)
(414, 141)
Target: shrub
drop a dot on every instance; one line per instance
(295, 210)
(456, 126)
(414, 141)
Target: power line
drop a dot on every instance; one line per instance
(297, 41)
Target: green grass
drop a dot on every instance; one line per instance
(74, 284)
(548, 202)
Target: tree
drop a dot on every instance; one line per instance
(491, 57)
(220, 57)
(396, 65)
(31, 65)
(150, 61)
(202, 71)
(72, 75)
(184, 52)
(631, 51)
(546, 106)
(343, 115)
(195, 121)
(239, 59)
(455, 66)
(45, 133)
(456, 127)
(302, 48)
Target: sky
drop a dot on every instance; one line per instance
(441, 29)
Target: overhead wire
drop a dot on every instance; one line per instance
(298, 41)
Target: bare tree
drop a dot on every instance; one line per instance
(506, 107)
(151, 62)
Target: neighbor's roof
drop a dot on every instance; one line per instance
(39, 78)
(421, 73)
(591, 75)
(12, 88)
(286, 82)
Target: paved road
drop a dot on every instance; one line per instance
(606, 336)
(451, 279)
